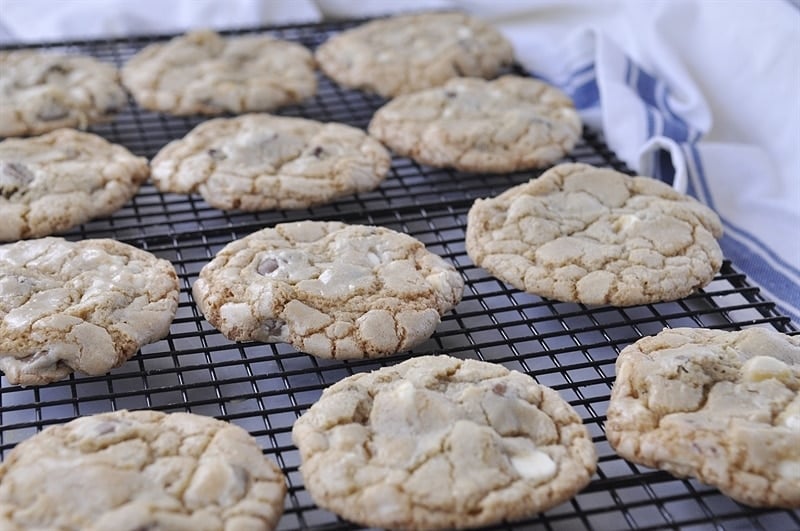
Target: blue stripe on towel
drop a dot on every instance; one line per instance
(586, 95)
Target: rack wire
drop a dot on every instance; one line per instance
(264, 388)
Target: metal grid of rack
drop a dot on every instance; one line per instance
(264, 388)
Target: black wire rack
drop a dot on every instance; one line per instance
(264, 388)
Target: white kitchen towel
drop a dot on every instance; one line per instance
(699, 94)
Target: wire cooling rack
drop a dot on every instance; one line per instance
(264, 388)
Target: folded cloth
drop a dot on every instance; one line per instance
(702, 95)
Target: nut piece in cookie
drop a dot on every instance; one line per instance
(41, 92)
(79, 306)
(509, 124)
(260, 161)
(406, 53)
(53, 182)
(135, 470)
(329, 289)
(723, 407)
(593, 235)
(437, 442)
(203, 72)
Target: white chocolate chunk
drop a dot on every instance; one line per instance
(536, 466)
(761, 368)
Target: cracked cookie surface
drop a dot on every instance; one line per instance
(56, 181)
(79, 306)
(723, 407)
(134, 470)
(438, 442)
(203, 72)
(329, 289)
(593, 235)
(41, 92)
(260, 161)
(407, 53)
(509, 124)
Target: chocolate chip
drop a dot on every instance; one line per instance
(15, 178)
(267, 266)
(55, 69)
(273, 327)
(540, 121)
(105, 427)
(318, 151)
(499, 389)
(466, 44)
(242, 476)
(217, 154)
(53, 111)
(449, 94)
(70, 153)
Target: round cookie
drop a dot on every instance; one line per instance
(203, 72)
(505, 125)
(41, 92)
(56, 181)
(79, 306)
(723, 407)
(261, 161)
(407, 53)
(593, 235)
(436, 442)
(329, 289)
(132, 470)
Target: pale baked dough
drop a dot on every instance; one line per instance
(593, 235)
(79, 306)
(261, 161)
(53, 182)
(42, 91)
(509, 124)
(723, 407)
(405, 53)
(437, 442)
(329, 289)
(136, 470)
(203, 72)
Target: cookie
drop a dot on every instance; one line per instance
(79, 306)
(132, 470)
(509, 124)
(593, 235)
(437, 442)
(56, 181)
(41, 92)
(329, 289)
(203, 72)
(723, 407)
(407, 53)
(260, 161)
